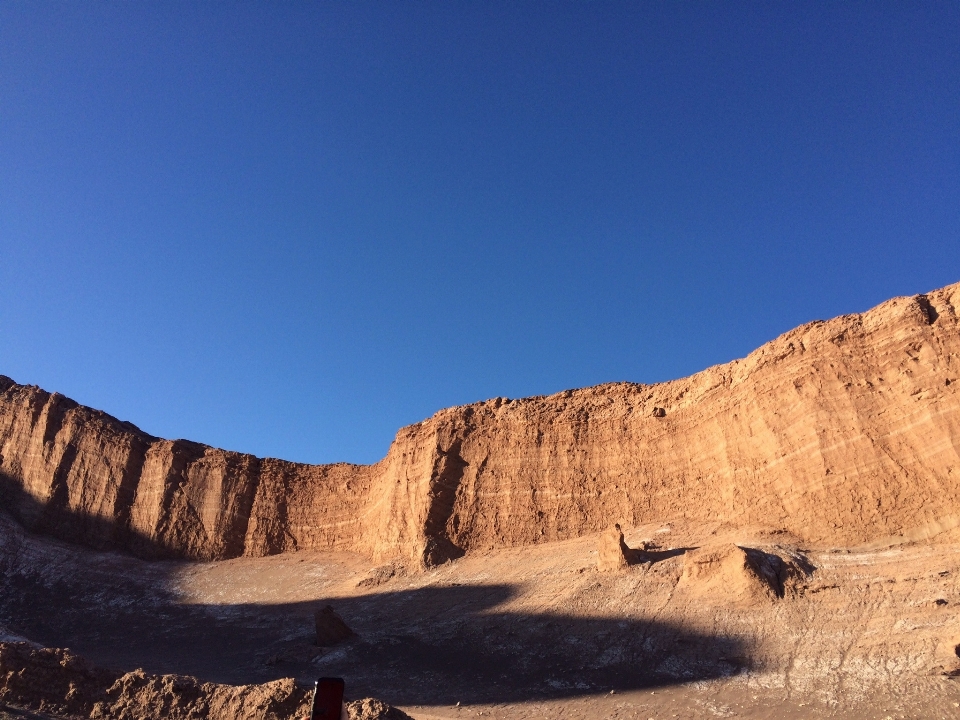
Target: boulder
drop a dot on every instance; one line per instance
(612, 551)
(331, 629)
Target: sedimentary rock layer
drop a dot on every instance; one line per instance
(82, 475)
(845, 431)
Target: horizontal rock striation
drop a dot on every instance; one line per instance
(842, 432)
(84, 476)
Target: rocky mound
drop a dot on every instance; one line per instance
(726, 574)
(330, 627)
(373, 709)
(57, 682)
(841, 432)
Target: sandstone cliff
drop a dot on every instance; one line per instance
(843, 432)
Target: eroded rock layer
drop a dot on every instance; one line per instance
(844, 432)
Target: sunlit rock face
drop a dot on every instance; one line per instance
(845, 431)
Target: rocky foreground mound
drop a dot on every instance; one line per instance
(57, 682)
(840, 432)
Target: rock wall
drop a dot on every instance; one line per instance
(843, 432)
(83, 476)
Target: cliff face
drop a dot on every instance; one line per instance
(84, 476)
(844, 432)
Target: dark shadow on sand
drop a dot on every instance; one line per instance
(438, 644)
(656, 555)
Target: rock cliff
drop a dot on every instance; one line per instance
(841, 432)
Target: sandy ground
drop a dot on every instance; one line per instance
(532, 632)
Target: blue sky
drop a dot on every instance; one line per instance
(291, 228)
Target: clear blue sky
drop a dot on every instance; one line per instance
(291, 228)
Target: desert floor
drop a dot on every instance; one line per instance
(535, 632)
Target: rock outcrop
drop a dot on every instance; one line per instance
(726, 574)
(613, 553)
(373, 709)
(330, 627)
(845, 432)
(56, 681)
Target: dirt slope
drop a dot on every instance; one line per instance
(842, 432)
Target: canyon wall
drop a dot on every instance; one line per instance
(841, 432)
(83, 476)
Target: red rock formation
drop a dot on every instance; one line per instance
(844, 432)
(84, 476)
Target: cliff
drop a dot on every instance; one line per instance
(841, 432)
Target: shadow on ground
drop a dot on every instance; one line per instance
(438, 644)
(457, 647)
(655, 556)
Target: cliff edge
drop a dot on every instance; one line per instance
(841, 432)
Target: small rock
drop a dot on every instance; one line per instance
(373, 709)
(331, 629)
(613, 553)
